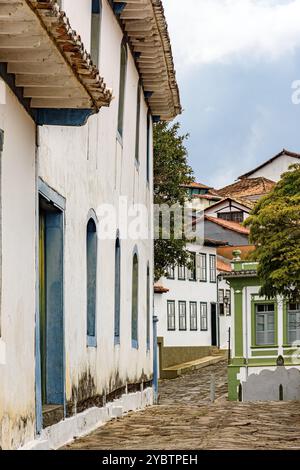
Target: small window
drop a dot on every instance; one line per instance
(171, 315)
(181, 273)
(135, 300)
(95, 31)
(193, 316)
(138, 120)
(265, 324)
(149, 127)
(228, 298)
(182, 316)
(203, 267)
(171, 272)
(293, 323)
(122, 85)
(234, 216)
(203, 316)
(117, 290)
(148, 307)
(221, 301)
(192, 272)
(91, 257)
(212, 268)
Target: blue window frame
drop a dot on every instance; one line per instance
(138, 119)
(96, 30)
(117, 290)
(135, 301)
(91, 265)
(122, 85)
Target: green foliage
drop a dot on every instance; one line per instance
(171, 172)
(275, 230)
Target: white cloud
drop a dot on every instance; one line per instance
(214, 31)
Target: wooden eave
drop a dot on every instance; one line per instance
(47, 58)
(145, 25)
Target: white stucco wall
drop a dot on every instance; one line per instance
(188, 291)
(17, 315)
(226, 207)
(275, 169)
(89, 167)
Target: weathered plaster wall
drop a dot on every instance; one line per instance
(17, 315)
(89, 167)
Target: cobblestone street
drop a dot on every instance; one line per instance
(186, 420)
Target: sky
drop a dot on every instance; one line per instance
(236, 62)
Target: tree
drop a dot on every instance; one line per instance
(171, 173)
(275, 230)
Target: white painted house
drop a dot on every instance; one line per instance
(273, 168)
(76, 318)
(193, 316)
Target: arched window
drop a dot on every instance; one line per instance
(149, 124)
(148, 286)
(91, 264)
(117, 290)
(96, 30)
(123, 69)
(135, 301)
(138, 119)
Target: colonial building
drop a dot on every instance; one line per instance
(76, 119)
(273, 168)
(265, 361)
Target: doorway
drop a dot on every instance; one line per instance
(51, 312)
(214, 330)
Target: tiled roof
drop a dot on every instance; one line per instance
(247, 187)
(208, 197)
(223, 266)
(227, 251)
(196, 185)
(53, 70)
(158, 289)
(280, 154)
(146, 28)
(234, 226)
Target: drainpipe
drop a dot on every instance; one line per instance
(155, 359)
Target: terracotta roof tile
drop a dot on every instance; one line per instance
(248, 187)
(223, 267)
(158, 289)
(234, 226)
(227, 251)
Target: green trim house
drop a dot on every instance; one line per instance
(265, 341)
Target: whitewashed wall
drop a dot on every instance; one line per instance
(225, 207)
(275, 169)
(188, 291)
(17, 315)
(89, 167)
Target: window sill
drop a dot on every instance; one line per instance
(134, 344)
(91, 342)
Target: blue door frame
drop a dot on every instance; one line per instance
(55, 344)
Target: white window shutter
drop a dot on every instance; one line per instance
(198, 267)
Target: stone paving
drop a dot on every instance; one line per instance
(186, 420)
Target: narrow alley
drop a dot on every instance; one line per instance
(186, 419)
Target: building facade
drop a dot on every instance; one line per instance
(265, 341)
(76, 317)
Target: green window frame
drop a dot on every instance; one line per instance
(291, 322)
(264, 329)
